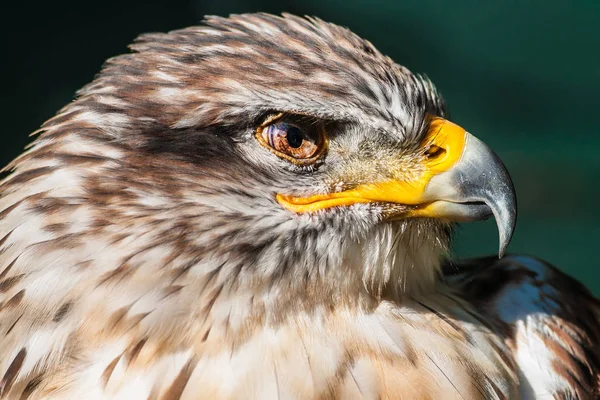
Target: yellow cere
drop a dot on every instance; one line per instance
(443, 134)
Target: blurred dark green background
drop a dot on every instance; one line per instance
(524, 76)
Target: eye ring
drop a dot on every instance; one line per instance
(305, 149)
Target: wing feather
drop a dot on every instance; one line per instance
(550, 322)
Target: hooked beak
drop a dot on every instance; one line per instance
(464, 180)
(477, 187)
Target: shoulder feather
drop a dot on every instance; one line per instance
(550, 321)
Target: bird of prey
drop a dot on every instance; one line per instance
(261, 208)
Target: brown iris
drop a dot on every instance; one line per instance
(294, 138)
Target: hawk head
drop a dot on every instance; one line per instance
(262, 149)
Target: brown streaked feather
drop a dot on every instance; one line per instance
(31, 387)
(175, 391)
(106, 374)
(11, 373)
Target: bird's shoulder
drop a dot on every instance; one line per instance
(550, 321)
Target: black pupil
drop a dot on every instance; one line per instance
(294, 137)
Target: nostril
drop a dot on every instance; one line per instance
(434, 151)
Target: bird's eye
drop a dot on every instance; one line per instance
(294, 139)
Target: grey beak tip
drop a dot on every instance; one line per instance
(503, 246)
(502, 251)
(506, 222)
